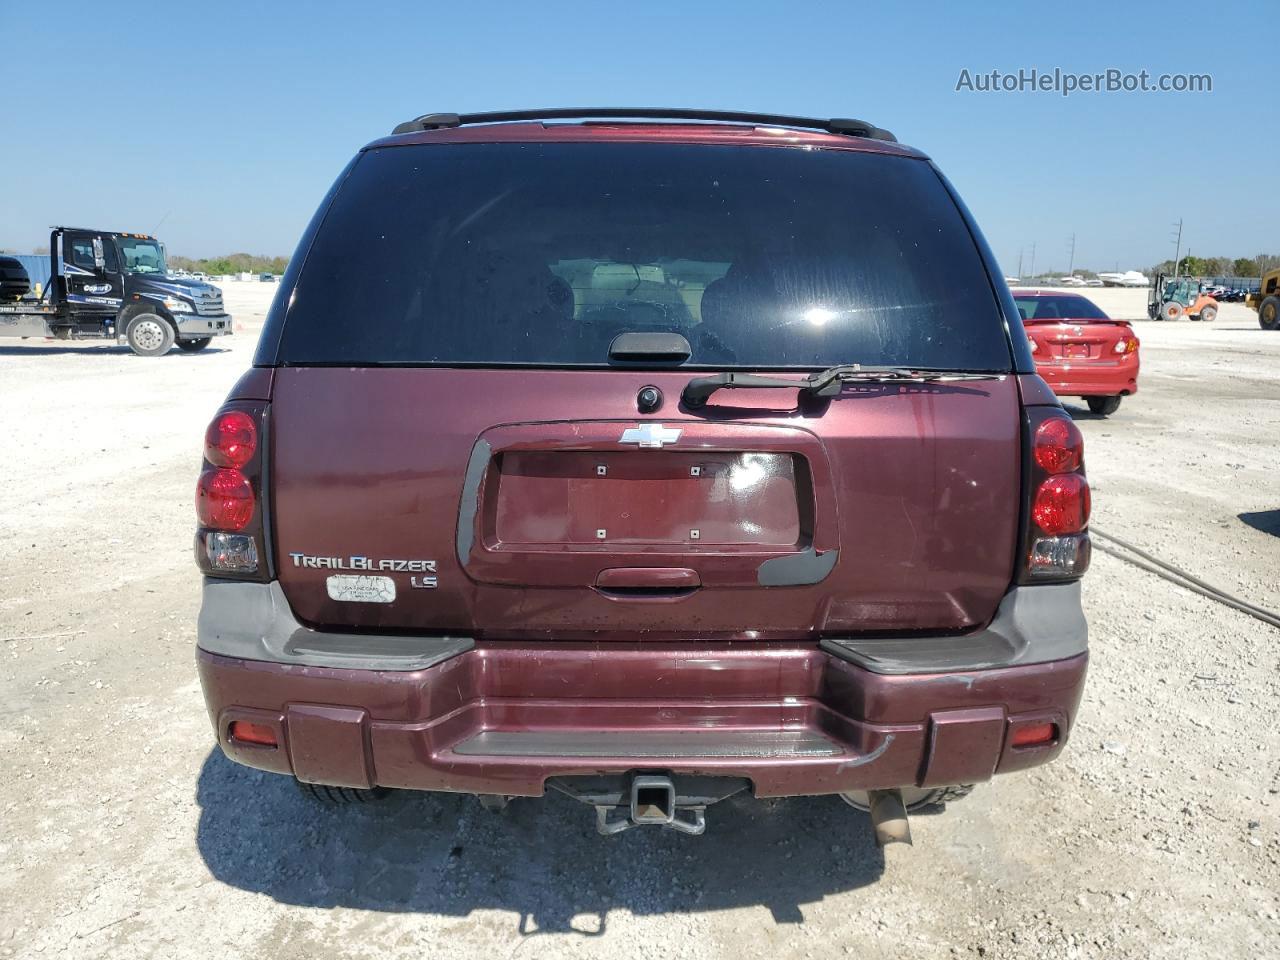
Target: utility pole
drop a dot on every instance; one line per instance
(1019, 263)
(1177, 246)
(1071, 264)
(1033, 258)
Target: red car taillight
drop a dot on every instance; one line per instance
(1126, 345)
(231, 539)
(1057, 538)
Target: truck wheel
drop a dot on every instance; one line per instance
(1171, 310)
(149, 335)
(1208, 313)
(1269, 313)
(341, 796)
(194, 346)
(1103, 406)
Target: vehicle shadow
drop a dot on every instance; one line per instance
(1268, 521)
(541, 860)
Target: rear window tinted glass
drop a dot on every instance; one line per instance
(499, 254)
(1054, 308)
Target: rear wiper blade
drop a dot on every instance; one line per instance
(826, 383)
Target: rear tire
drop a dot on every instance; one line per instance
(149, 335)
(1103, 406)
(194, 346)
(1208, 314)
(1171, 310)
(1269, 313)
(341, 796)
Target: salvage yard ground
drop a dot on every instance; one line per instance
(123, 832)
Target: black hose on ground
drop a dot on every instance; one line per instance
(1178, 576)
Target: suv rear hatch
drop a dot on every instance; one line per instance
(448, 414)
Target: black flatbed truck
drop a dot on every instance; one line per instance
(110, 285)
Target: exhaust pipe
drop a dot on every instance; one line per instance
(889, 817)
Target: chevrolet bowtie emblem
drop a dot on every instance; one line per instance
(650, 435)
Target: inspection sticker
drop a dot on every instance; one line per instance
(358, 589)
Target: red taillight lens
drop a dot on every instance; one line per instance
(231, 541)
(1126, 345)
(1034, 734)
(1058, 446)
(224, 500)
(1062, 504)
(258, 733)
(231, 439)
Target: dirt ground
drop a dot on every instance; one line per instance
(124, 833)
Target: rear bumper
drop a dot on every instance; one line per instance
(1084, 379)
(503, 717)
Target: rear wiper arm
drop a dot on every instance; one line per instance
(827, 383)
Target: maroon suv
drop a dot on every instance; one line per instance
(650, 459)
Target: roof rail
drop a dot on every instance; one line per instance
(838, 125)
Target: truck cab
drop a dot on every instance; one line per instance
(107, 284)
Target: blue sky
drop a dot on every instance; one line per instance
(221, 126)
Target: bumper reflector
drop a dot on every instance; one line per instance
(257, 733)
(1034, 735)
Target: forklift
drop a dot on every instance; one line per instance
(1170, 297)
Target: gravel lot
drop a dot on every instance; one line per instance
(123, 832)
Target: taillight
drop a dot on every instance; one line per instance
(1126, 345)
(1057, 539)
(224, 500)
(231, 539)
(1061, 504)
(231, 439)
(1058, 446)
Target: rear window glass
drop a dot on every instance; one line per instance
(1056, 308)
(538, 255)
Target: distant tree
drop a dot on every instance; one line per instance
(1245, 267)
(231, 263)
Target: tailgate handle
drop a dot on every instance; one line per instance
(648, 581)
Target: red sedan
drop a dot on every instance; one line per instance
(1079, 350)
